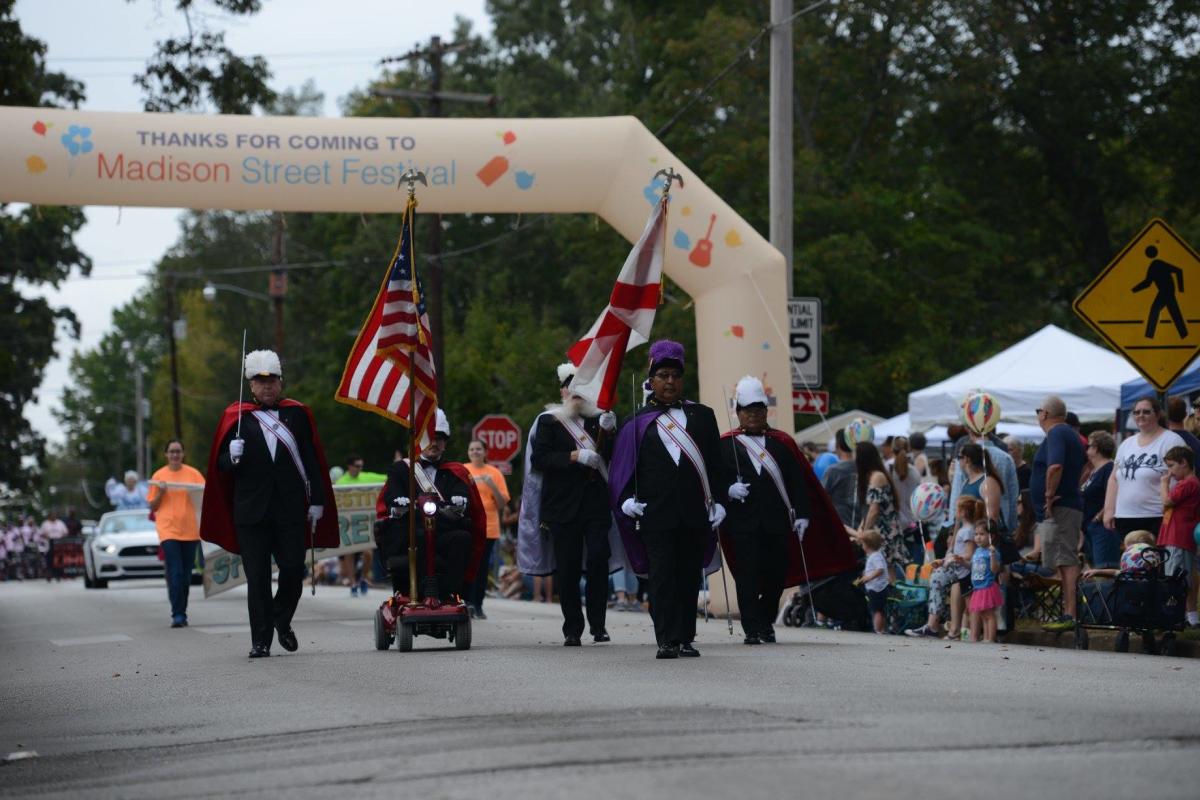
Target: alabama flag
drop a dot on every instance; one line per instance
(627, 320)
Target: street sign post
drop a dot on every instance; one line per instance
(810, 402)
(804, 339)
(1146, 304)
(502, 438)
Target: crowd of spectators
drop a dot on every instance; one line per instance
(1074, 505)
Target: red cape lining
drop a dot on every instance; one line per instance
(216, 515)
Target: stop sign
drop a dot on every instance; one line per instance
(500, 435)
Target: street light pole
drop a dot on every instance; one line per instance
(780, 146)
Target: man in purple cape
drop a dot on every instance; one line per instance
(666, 492)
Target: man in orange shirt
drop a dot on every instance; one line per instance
(177, 521)
(493, 491)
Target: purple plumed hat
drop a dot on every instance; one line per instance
(666, 353)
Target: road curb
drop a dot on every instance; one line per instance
(1099, 640)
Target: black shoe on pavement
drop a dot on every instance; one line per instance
(751, 639)
(687, 651)
(572, 641)
(767, 636)
(287, 640)
(668, 651)
(479, 614)
(602, 636)
(259, 651)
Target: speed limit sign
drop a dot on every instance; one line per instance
(804, 339)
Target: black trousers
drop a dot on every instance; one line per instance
(570, 540)
(479, 588)
(260, 543)
(675, 558)
(761, 571)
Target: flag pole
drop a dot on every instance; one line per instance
(411, 177)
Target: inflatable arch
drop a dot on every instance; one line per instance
(604, 165)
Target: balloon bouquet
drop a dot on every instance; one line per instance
(856, 431)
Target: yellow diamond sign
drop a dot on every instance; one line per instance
(1146, 304)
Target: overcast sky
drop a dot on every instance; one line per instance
(104, 42)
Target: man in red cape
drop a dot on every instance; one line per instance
(461, 532)
(776, 507)
(268, 489)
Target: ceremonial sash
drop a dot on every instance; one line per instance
(424, 482)
(687, 445)
(275, 427)
(768, 462)
(583, 440)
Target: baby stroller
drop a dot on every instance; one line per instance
(1145, 603)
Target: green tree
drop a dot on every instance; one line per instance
(39, 252)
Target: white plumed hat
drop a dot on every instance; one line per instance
(262, 363)
(566, 371)
(441, 424)
(750, 391)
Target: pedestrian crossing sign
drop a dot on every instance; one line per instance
(1146, 304)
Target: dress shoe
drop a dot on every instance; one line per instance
(479, 614)
(287, 640)
(177, 621)
(767, 636)
(601, 636)
(751, 639)
(687, 651)
(260, 651)
(668, 651)
(572, 641)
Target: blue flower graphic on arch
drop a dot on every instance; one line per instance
(77, 140)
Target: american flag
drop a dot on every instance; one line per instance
(376, 377)
(625, 323)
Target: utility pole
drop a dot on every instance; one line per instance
(169, 286)
(434, 97)
(139, 422)
(277, 288)
(781, 156)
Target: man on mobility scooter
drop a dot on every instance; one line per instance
(430, 571)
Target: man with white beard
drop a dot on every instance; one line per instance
(571, 443)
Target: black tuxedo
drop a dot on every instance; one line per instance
(575, 509)
(759, 528)
(452, 533)
(570, 491)
(675, 526)
(270, 513)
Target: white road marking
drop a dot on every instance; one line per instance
(20, 754)
(113, 637)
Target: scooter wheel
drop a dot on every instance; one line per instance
(405, 633)
(382, 640)
(462, 635)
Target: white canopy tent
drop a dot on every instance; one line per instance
(901, 425)
(1052, 361)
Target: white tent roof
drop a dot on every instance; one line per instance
(901, 425)
(825, 430)
(1052, 361)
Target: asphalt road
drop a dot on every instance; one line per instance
(116, 704)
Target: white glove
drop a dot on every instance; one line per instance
(236, 448)
(800, 526)
(315, 513)
(459, 502)
(632, 508)
(401, 506)
(608, 421)
(716, 515)
(739, 491)
(589, 458)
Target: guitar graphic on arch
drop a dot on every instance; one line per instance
(701, 254)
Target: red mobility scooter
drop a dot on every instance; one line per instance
(404, 616)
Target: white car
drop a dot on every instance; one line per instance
(124, 546)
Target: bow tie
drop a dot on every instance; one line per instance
(660, 404)
(262, 407)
